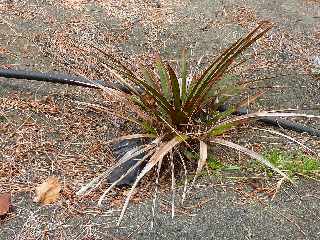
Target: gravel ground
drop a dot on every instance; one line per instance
(44, 130)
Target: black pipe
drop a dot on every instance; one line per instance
(80, 81)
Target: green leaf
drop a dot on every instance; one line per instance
(197, 83)
(164, 79)
(158, 113)
(220, 129)
(184, 74)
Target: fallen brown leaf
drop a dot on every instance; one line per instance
(3, 50)
(48, 191)
(5, 203)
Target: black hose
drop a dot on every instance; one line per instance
(47, 77)
(278, 122)
(59, 78)
(83, 82)
(294, 126)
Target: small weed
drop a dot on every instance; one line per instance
(214, 164)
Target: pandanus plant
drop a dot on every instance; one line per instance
(177, 110)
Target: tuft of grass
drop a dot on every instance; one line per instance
(178, 110)
(292, 163)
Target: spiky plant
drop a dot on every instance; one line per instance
(177, 110)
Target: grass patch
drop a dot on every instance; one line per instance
(292, 163)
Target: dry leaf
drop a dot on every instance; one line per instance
(48, 191)
(5, 203)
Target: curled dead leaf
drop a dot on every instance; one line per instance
(5, 203)
(48, 191)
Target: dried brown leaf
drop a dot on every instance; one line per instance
(5, 203)
(48, 191)
(155, 159)
(202, 160)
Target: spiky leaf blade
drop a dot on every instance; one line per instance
(175, 88)
(164, 79)
(220, 65)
